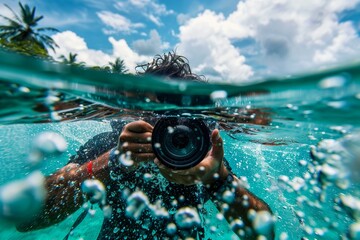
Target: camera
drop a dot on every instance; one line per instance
(180, 142)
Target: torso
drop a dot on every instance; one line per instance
(144, 204)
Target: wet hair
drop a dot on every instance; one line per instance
(169, 65)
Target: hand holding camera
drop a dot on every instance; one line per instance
(181, 148)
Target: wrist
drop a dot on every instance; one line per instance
(98, 168)
(223, 178)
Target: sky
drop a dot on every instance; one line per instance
(227, 41)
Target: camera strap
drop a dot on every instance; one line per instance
(79, 219)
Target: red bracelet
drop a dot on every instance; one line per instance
(89, 168)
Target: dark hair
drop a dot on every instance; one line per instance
(169, 65)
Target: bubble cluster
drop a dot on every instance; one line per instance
(137, 202)
(330, 155)
(329, 187)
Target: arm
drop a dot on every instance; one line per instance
(64, 195)
(239, 206)
(212, 172)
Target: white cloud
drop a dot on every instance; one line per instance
(286, 37)
(295, 35)
(154, 19)
(151, 6)
(209, 50)
(182, 18)
(117, 23)
(121, 49)
(79, 18)
(69, 42)
(150, 9)
(150, 46)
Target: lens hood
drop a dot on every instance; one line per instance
(180, 142)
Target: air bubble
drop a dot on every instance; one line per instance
(228, 196)
(354, 231)
(170, 129)
(125, 159)
(333, 82)
(263, 223)
(182, 87)
(95, 191)
(187, 217)
(236, 224)
(46, 143)
(22, 199)
(302, 162)
(107, 211)
(24, 89)
(351, 204)
(171, 228)
(136, 203)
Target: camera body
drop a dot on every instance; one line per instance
(180, 142)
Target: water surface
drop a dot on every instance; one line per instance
(293, 139)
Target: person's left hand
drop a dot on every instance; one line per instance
(210, 168)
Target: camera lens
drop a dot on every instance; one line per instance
(180, 143)
(180, 140)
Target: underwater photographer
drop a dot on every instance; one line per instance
(158, 174)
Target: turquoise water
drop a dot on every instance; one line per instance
(294, 140)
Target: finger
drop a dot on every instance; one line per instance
(170, 170)
(144, 137)
(172, 176)
(139, 127)
(217, 151)
(142, 157)
(136, 147)
(161, 166)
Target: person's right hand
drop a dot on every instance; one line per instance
(134, 144)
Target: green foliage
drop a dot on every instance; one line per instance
(118, 66)
(22, 35)
(22, 30)
(71, 60)
(25, 47)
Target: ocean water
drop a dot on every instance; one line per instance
(293, 140)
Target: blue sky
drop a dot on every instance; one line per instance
(227, 41)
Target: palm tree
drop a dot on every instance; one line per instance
(118, 66)
(71, 60)
(23, 28)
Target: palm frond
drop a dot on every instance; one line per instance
(11, 22)
(42, 29)
(48, 41)
(23, 28)
(12, 11)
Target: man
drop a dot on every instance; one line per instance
(148, 199)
